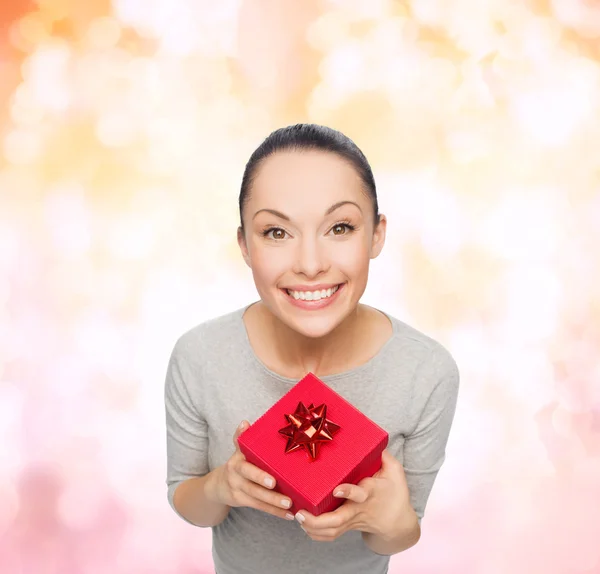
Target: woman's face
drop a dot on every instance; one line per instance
(308, 224)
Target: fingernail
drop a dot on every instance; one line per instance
(338, 493)
(241, 425)
(299, 517)
(268, 482)
(285, 503)
(289, 516)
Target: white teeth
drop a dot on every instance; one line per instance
(313, 295)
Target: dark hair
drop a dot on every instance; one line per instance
(309, 137)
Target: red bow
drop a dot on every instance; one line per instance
(308, 428)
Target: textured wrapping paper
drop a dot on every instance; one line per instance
(352, 453)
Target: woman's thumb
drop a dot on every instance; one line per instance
(238, 431)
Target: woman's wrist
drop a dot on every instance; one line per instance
(210, 485)
(393, 542)
(196, 500)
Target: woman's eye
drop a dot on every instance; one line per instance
(342, 228)
(275, 233)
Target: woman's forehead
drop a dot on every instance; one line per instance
(314, 174)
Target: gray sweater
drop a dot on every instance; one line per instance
(215, 380)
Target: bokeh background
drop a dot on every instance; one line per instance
(124, 130)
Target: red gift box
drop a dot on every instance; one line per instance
(343, 446)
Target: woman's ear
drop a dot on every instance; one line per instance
(378, 240)
(241, 238)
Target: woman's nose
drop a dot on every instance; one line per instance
(310, 258)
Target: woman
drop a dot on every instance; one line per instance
(309, 227)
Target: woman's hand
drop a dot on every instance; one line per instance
(240, 483)
(379, 505)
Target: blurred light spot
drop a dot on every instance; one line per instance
(530, 387)
(25, 110)
(490, 438)
(165, 293)
(473, 93)
(80, 503)
(181, 39)
(469, 346)
(9, 248)
(442, 226)
(561, 421)
(16, 40)
(405, 193)
(4, 295)
(11, 423)
(147, 90)
(100, 342)
(362, 9)
(116, 129)
(343, 68)
(430, 12)
(32, 29)
(183, 28)
(550, 117)
(104, 32)
(114, 288)
(533, 293)
(22, 146)
(68, 220)
(136, 13)
(467, 146)
(526, 225)
(46, 73)
(393, 60)
(132, 237)
(552, 114)
(9, 503)
(54, 9)
(579, 364)
(327, 31)
(441, 72)
(172, 23)
(103, 83)
(583, 15)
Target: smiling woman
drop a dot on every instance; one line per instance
(309, 221)
(309, 227)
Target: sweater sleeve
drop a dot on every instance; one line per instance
(187, 430)
(425, 448)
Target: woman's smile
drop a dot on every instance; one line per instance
(312, 300)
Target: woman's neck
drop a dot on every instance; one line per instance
(333, 353)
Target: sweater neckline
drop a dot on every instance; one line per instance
(325, 378)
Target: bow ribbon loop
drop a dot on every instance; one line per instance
(308, 428)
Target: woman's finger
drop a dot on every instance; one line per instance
(238, 431)
(326, 534)
(260, 493)
(251, 472)
(252, 502)
(351, 492)
(339, 518)
(243, 489)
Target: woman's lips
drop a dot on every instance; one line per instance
(313, 305)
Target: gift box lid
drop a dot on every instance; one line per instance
(358, 438)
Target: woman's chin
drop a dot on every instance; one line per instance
(311, 322)
(315, 326)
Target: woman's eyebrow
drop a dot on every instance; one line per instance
(329, 210)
